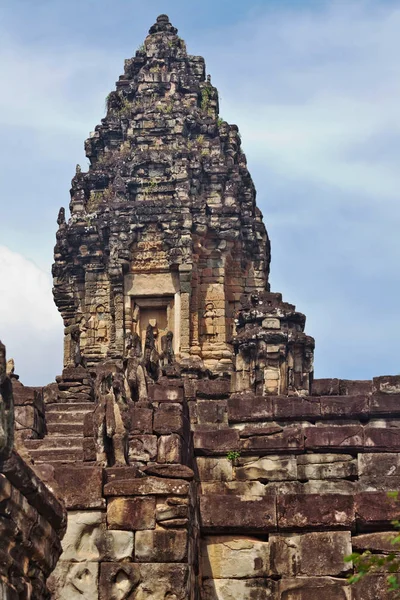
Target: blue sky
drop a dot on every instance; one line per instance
(314, 87)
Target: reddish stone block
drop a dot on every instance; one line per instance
(385, 404)
(89, 449)
(143, 448)
(372, 587)
(213, 388)
(382, 438)
(375, 509)
(218, 441)
(170, 471)
(141, 420)
(295, 407)
(80, 487)
(147, 486)
(349, 387)
(131, 514)
(161, 546)
(291, 439)
(334, 436)
(313, 511)
(379, 465)
(344, 406)
(233, 513)
(325, 387)
(169, 418)
(248, 407)
(211, 411)
(88, 425)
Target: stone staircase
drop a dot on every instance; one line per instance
(64, 440)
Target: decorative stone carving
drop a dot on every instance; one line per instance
(110, 420)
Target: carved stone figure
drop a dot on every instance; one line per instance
(209, 320)
(135, 373)
(167, 349)
(151, 358)
(75, 342)
(61, 216)
(6, 408)
(101, 325)
(110, 420)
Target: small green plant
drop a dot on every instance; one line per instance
(125, 109)
(141, 48)
(200, 140)
(155, 69)
(219, 121)
(205, 152)
(205, 98)
(233, 455)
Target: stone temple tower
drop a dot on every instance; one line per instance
(164, 230)
(197, 457)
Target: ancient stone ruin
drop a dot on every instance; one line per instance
(196, 455)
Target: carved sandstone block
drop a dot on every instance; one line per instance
(170, 449)
(74, 581)
(147, 486)
(129, 581)
(143, 448)
(271, 468)
(234, 556)
(379, 465)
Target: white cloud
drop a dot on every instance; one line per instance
(30, 325)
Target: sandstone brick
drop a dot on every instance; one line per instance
(214, 469)
(375, 509)
(219, 441)
(326, 466)
(232, 513)
(169, 418)
(161, 393)
(325, 387)
(379, 541)
(143, 448)
(80, 487)
(247, 407)
(291, 439)
(313, 511)
(334, 436)
(233, 589)
(73, 581)
(212, 411)
(161, 546)
(345, 406)
(233, 557)
(379, 465)
(131, 514)
(296, 407)
(310, 554)
(314, 588)
(147, 486)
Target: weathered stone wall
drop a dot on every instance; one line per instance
(307, 487)
(32, 520)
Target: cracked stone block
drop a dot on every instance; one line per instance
(314, 588)
(84, 536)
(316, 553)
(230, 556)
(326, 466)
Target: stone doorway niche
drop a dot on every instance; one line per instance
(153, 298)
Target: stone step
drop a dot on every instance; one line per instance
(69, 407)
(69, 429)
(77, 417)
(59, 455)
(54, 442)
